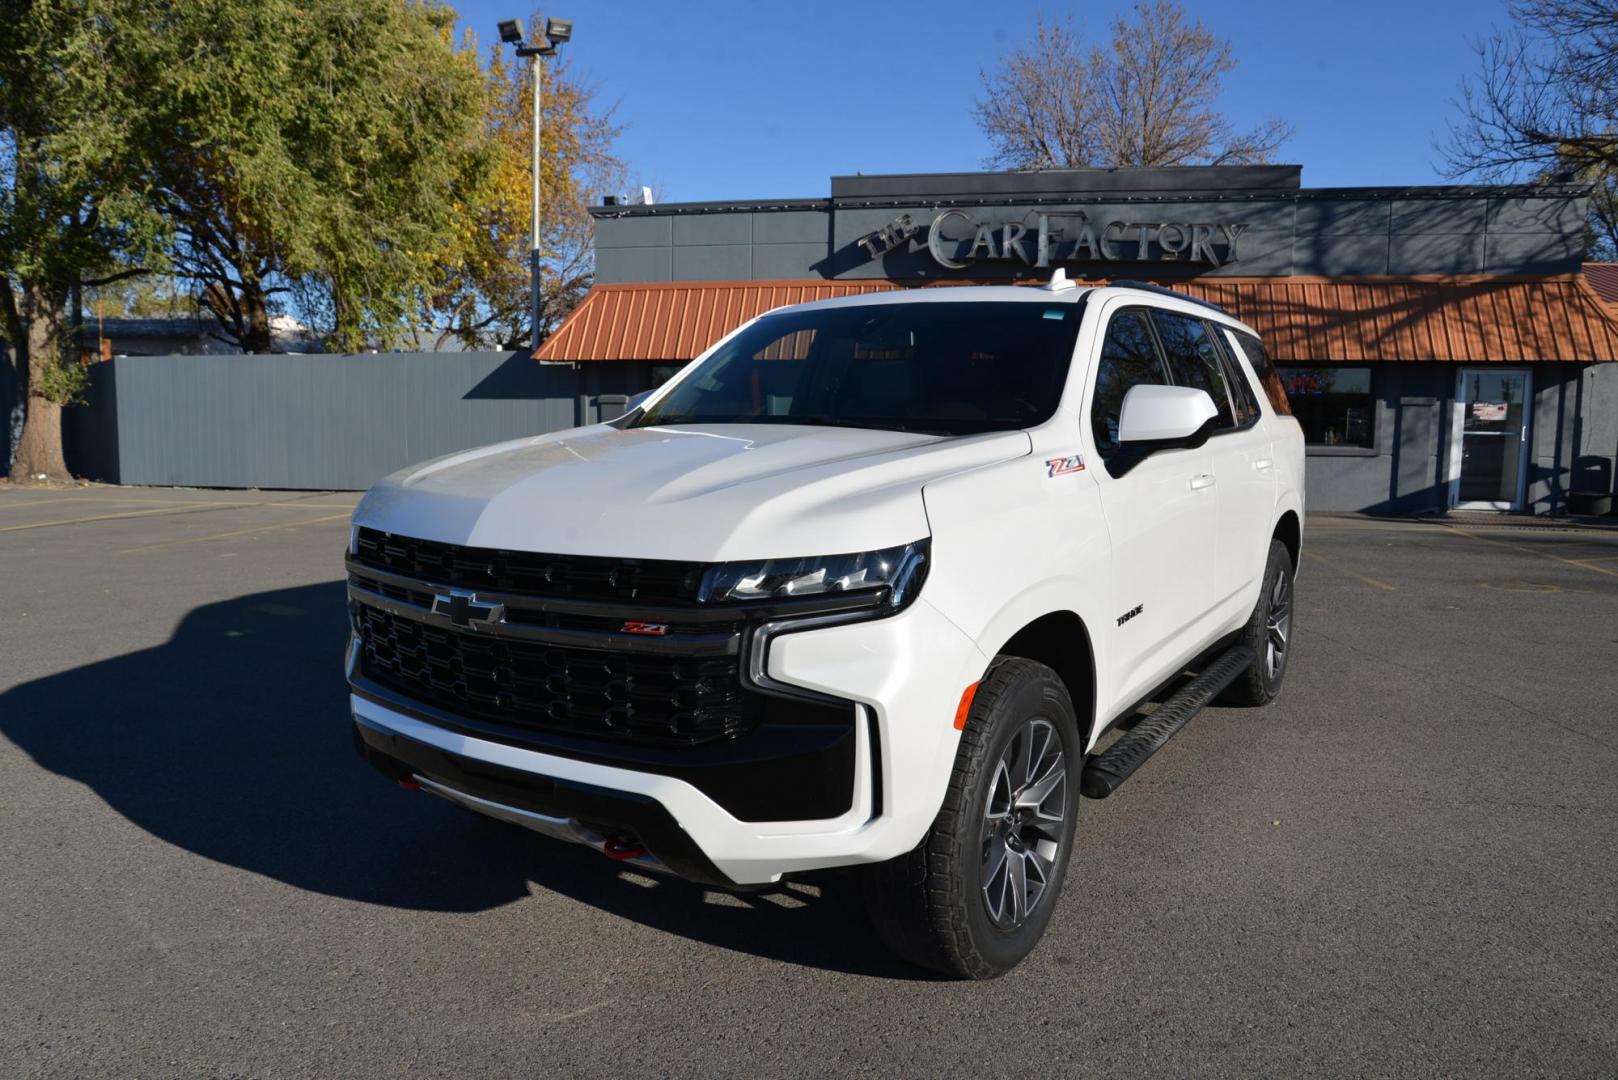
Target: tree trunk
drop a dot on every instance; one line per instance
(39, 451)
(256, 336)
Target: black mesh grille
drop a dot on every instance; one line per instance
(669, 700)
(583, 577)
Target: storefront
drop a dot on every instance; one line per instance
(1442, 347)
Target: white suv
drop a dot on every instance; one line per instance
(863, 585)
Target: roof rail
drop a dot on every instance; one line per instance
(1147, 286)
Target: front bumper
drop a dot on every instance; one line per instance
(563, 809)
(903, 674)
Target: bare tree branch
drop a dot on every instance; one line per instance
(1147, 99)
(1544, 103)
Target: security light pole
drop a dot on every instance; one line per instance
(556, 32)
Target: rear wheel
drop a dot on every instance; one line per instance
(975, 897)
(1268, 633)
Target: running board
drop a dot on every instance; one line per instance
(1104, 772)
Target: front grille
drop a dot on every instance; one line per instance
(580, 577)
(654, 699)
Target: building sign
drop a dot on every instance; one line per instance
(957, 239)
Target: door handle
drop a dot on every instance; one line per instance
(1202, 480)
(1263, 463)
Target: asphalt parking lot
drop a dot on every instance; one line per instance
(1407, 865)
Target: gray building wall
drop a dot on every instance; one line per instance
(739, 244)
(1573, 441)
(1595, 432)
(1288, 230)
(320, 421)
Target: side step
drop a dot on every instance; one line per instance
(1104, 772)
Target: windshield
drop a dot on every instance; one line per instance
(941, 368)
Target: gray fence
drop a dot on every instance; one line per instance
(320, 421)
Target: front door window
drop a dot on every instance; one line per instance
(1493, 429)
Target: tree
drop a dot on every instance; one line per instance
(1601, 229)
(150, 296)
(71, 202)
(1147, 99)
(1544, 103)
(313, 147)
(480, 296)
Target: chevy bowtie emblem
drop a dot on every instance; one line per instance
(465, 609)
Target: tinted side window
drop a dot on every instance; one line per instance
(1129, 357)
(1267, 377)
(1194, 359)
(1241, 391)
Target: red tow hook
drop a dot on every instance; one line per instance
(622, 848)
(409, 783)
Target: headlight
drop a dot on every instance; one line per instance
(891, 577)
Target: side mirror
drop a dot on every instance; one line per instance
(1164, 417)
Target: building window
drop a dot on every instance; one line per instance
(1333, 404)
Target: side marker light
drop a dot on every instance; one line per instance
(965, 706)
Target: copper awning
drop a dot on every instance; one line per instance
(1302, 319)
(1603, 279)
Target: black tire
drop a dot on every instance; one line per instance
(932, 906)
(1260, 684)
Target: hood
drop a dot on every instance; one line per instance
(703, 493)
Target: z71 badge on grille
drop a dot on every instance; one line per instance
(656, 629)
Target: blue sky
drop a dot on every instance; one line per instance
(762, 100)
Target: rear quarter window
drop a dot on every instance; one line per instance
(1267, 376)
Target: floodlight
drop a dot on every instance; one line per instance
(511, 31)
(558, 30)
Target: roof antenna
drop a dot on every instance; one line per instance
(1059, 281)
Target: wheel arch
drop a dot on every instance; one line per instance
(1289, 530)
(1061, 641)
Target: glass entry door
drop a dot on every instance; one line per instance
(1489, 454)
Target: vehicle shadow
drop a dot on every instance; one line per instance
(231, 740)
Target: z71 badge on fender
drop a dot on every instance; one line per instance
(1061, 466)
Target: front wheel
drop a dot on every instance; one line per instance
(975, 896)
(1268, 633)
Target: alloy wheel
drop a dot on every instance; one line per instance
(1278, 625)
(1024, 823)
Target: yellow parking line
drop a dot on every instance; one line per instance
(237, 532)
(1373, 582)
(1582, 564)
(92, 500)
(1527, 586)
(7, 504)
(304, 506)
(126, 514)
(279, 504)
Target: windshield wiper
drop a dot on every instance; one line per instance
(813, 420)
(866, 424)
